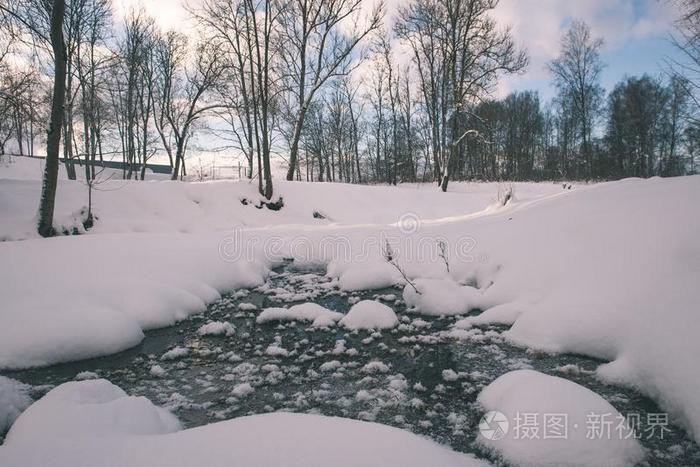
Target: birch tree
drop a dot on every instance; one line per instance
(459, 53)
(317, 43)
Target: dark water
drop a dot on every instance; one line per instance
(405, 389)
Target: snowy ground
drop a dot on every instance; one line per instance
(609, 271)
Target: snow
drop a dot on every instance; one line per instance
(441, 297)
(69, 298)
(274, 350)
(370, 314)
(89, 409)
(14, 398)
(365, 276)
(318, 315)
(375, 367)
(574, 443)
(175, 353)
(83, 375)
(157, 371)
(95, 423)
(217, 328)
(125, 206)
(242, 390)
(607, 270)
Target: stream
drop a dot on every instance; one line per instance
(394, 377)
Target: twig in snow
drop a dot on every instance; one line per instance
(390, 258)
(442, 246)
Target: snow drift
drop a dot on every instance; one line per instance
(93, 423)
(570, 443)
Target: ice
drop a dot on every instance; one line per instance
(318, 315)
(217, 328)
(242, 390)
(175, 353)
(274, 350)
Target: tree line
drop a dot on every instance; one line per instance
(335, 89)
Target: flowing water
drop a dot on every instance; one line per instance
(394, 377)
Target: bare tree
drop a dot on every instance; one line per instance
(48, 188)
(183, 92)
(459, 52)
(576, 74)
(316, 49)
(92, 65)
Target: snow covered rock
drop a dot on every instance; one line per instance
(275, 350)
(94, 423)
(439, 297)
(318, 315)
(242, 390)
(175, 353)
(370, 314)
(14, 398)
(366, 275)
(553, 421)
(217, 328)
(88, 409)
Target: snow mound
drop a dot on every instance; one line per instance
(217, 328)
(365, 275)
(573, 441)
(14, 398)
(48, 317)
(318, 315)
(439, 297)
(175, 353)
(242, 390)
(89, 409)
(94, 423)
(370, 314)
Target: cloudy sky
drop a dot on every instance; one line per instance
(636, 33)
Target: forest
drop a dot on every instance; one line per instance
(334, 91)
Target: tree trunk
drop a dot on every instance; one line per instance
(53, 140)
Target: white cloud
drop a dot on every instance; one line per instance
(539, 24)
(169, 14)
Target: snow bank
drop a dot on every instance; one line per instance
(14, 398)
(370, 314)
(318, 315)
(572, 441)
(173, 207)
(94, 423)
(441, 297)
(368, 275)
(609, 271)
(89, 409)
(70, 298)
